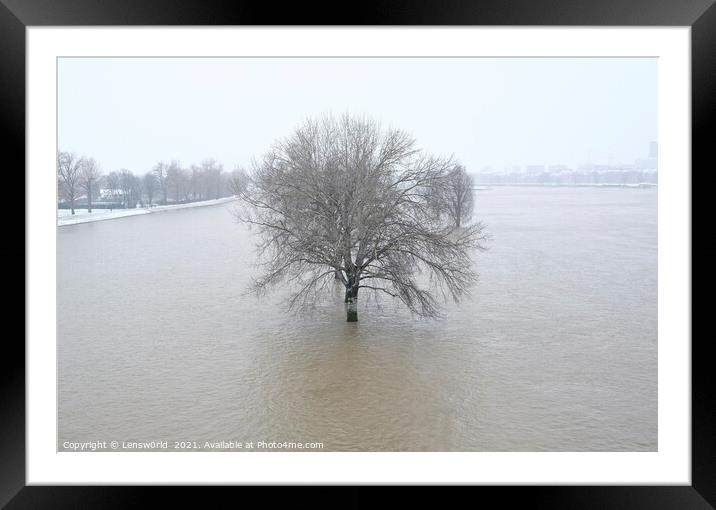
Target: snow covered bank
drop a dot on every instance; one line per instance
(65, 217)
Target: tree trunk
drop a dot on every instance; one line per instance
(352, 304)
(348, 288)
(89, 197)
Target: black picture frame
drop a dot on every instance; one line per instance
(700, 15)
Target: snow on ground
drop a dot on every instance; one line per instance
(65, 217)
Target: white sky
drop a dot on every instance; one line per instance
(131, 113)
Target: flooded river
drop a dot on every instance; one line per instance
(556, 350)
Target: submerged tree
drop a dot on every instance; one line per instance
(457, 196)
(343, 199)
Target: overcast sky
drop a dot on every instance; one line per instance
(132, 113)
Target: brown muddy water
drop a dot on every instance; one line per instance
(556, 350)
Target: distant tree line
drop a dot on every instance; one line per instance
(81, 184)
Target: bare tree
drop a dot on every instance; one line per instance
(211, 170)
(206, 171)
(218, 180)
(185, 180)
(113, 187)
(458, 196)
(238, 181)
(70, 176)
(137, 190)
(149, 182)
(90, 176)
(174, 180)
(195, 173)
(129, 185)
(341, 198)
(160, 170)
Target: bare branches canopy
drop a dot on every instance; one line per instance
(343, 199)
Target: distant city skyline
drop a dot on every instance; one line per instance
(649, 162)
(132, 113)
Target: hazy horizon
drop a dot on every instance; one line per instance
(134, 112)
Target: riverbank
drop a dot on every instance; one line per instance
(65, 217)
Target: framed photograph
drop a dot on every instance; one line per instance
(416, 251)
